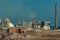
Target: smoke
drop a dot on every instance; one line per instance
(32, 15)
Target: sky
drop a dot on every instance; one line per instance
(43, 10)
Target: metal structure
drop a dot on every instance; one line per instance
(19, 20)
(23, 21)
(56, 15)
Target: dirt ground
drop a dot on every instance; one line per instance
(41, 35)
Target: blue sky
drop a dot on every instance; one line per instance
(43, 10)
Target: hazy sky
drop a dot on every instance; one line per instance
(43, 10)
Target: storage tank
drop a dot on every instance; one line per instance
(10, 24)
(46, 25)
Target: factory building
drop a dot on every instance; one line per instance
(42, 24)
(45, 25)
(8, 23)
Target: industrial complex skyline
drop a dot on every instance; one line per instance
(43, 10)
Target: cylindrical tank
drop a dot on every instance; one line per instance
(47, 25)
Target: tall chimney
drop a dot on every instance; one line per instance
(23, 21)
(56, 15)
(19, 20)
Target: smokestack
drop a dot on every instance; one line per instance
(19, 20)
(56, 15)
(23, 21)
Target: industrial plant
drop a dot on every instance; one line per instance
(32, 30)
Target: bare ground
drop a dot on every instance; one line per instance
(41, 35)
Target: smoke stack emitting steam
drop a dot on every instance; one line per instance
(56, 15)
